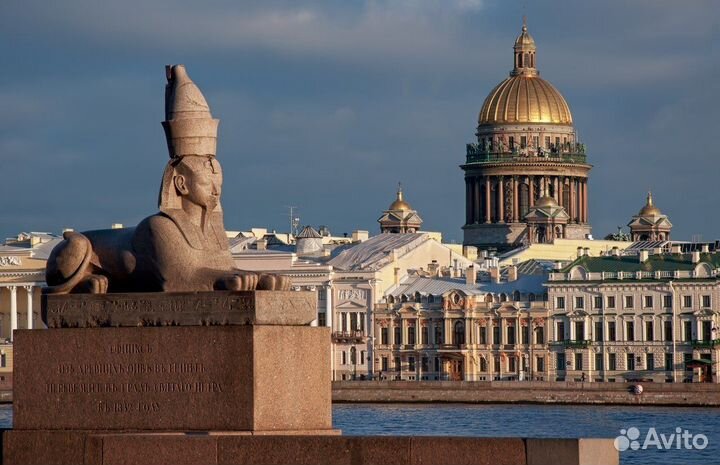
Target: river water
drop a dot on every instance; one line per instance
(537, 421)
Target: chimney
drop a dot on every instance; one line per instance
(494, 274)
(433, 268)
(470, 275)
(643, 256)
(696, 257)
(705, 248)
(360, 236)
(586, 251)
(615, 251)
(676, 249)
(512, 274)
(579, 252)
(261, 244)
(34, 240)
(396, 276)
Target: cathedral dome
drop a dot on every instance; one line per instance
(399, 204)
(524, 97)
(649, 209)
(546, 201)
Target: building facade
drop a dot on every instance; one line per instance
(526, 146)
(646, 316)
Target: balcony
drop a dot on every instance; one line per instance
(696, 344)
(576, 343)
(571, 154)
(349, 336)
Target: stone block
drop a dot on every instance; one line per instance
(467, 451)
(180, 378)
(43, 447)
(571, 452)
(285, 308)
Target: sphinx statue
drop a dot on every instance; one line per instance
(183, 247)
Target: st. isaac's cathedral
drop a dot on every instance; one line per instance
(526, 177)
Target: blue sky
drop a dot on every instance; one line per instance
(327, 105)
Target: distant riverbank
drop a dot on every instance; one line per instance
(536, 392)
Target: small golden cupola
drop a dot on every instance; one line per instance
(400, 216)
(650, 224)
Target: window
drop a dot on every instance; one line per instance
(539, 364)
(630, 365)
(612, 362)
(560, 333)
(539, 335)
(362, 357)
(547, 142)
(361, 321)
(411, 363)
(629, 301)
(630, 331)
(561, 361)
(598, 331)
(398, 365)
(437, 365)
(667, 301)
(384, 364)
(511, 334)
(424, 367)
(597, 302)
(424, 334)
(496, 364)
(648, 301)
(383, 336)
(483, 335)
(525, 332)
(560, 303)
(483, 364)
(579, 331)
(511, 143)
(669, 362)
(687, 301)
(411, 335)
(598, 362)
(611, 331)
(706, 330)
(438, 334)
(579, 302)
(687, 331)
(649, 331)
(459, 333)
(512, 364)
(343, 358)
(343, 321)
(322, 321)
(650, 362)
(398, 335)
(353, 321)
(611, 301)
(496, 334)
(523, 141)
(706, 301)
(667, 325)
(578, 362)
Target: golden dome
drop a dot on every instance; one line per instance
(546, 201)
(649, 209)
(524, 97)
(399, 203)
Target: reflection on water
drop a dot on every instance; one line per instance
(538, 421)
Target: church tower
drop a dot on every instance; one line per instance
(400, 217)
(650, 224)
(526, 146)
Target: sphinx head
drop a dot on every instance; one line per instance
(198, 180)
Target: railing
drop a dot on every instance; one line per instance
(574, 343)
(356, 336)
(475, 154)
(701, 344)
(621, 275)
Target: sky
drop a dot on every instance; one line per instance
(326, 106)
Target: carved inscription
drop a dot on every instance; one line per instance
(352, 294)
(10, 261)
(130, 376)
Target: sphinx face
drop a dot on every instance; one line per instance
(202, 181)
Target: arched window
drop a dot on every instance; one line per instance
(390, 299)
(459, 333)
(488, 298)
(516, 296)
(403, 298)
(418, 297)
(566, 198)
(503, 297)
(483, 364)
(431, 299)
(531, 297)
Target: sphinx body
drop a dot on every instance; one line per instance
(182, 248)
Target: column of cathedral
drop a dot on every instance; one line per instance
(479, 199)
